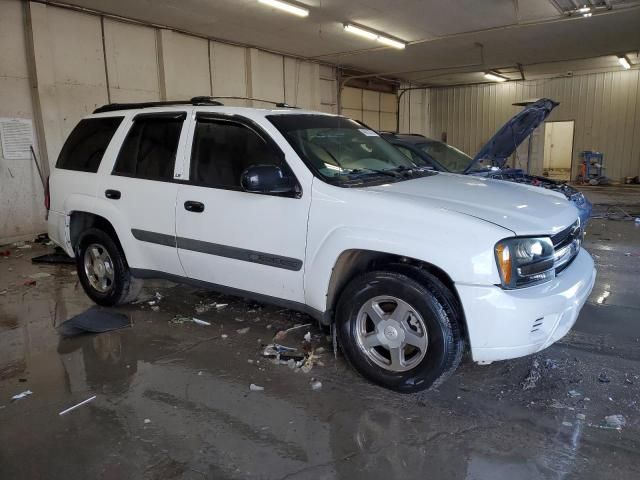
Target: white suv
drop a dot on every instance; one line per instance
(317, 213)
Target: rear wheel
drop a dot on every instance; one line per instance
(103, 270)
(400, 329)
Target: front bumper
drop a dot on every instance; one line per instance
(505, 324)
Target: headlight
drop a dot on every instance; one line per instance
(523, 262)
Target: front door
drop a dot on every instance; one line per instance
(558, 150)
(226, 236)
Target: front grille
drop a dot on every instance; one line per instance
(567, 245)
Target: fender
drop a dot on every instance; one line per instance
(474, 265)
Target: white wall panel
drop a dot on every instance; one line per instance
(21, 194)
(266, 76)
(185, 64)
(132, 62)
(301, 83)
(229, 72)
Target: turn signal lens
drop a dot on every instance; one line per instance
(503, 257)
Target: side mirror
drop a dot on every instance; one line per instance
(267, 179)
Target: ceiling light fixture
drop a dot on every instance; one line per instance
(622, 60)
(286, 7)
(495, 77)
(370, 35)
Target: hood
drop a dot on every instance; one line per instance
(502, 145)
(523, 209)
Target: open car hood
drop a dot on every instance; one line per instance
(502, 145)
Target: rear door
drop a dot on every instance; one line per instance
(142, 187)
(246, 241)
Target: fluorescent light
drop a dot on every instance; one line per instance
(584, 9)
(494, 77)
(286, 7)
(360, 32)
(622, 60)
(391, 42)
(587, 15)
(370, 35)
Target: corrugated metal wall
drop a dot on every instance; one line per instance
(604, 106)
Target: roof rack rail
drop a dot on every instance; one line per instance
(112, 107)
(232, 97)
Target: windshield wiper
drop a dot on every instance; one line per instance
(363, 170)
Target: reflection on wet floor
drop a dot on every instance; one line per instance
(173, 399)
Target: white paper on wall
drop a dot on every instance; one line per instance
(16, 137)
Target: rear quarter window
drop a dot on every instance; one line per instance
(87, 143)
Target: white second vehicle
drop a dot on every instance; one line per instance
(314, 212)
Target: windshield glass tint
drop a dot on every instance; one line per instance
(449, 157)
(337, 147)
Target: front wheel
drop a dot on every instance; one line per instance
(400, 330)
(103, 270)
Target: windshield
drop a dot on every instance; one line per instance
(449, 157)
(339, 149)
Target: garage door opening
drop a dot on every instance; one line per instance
(558, 150)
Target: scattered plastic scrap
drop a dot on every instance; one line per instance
(581, 416)
(24, 247)
(242, 331)
(29, 283)
(533, 377)
(255, 388)
(21, 395)
(603, 378)
(567, 424)
(224, 335)
(155, 308)
(147, 420)
(39, 275)
(90, 399)
(315, 384)
(220, 306)
(181, 319)
(307, 337)
(574, 393)
(204, 307)
(93, 320)
(283, 333)
(3, 292)
(282, 353)
(615, 421)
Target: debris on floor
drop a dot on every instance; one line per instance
(147, 420)
(204, 307)
(315, 384)
(59, 257)
(533, 377)
(615, 421)
(30, 282)
(21, 395)
(39, 275)
(281, 335)
(93, 320)
(84, 402)
(255, 388)
(242, 331)
(604, 378)
(181, 319)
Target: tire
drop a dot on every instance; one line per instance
(119, 287)
(432, 320)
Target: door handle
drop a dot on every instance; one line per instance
(113, 194)
(191, 206)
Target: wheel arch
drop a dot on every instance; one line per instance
(80, 221)
(353, 262)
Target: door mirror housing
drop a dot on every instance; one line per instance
(268, 179)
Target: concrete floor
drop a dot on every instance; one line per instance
(173, 400)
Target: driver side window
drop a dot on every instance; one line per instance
(223, 149)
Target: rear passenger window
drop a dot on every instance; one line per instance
(149, 151)
(87, 143)
(222, 150)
